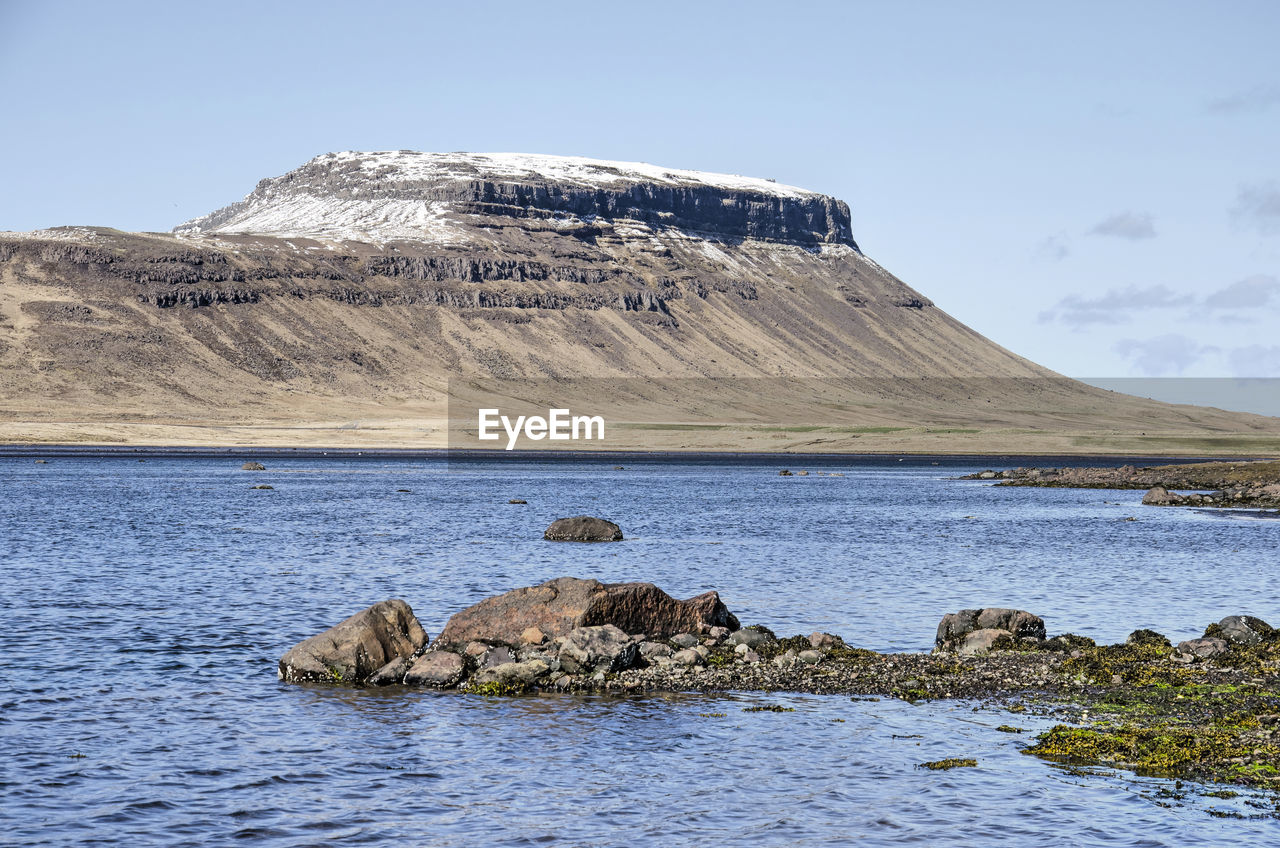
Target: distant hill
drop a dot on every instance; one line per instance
(337, 304)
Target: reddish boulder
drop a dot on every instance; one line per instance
(561, 606)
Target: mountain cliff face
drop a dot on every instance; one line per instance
(334, 304)
(420, 196)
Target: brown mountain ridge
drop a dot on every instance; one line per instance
(345, 303)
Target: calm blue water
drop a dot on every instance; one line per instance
(145, 605)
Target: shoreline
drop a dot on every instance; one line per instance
(692, 456)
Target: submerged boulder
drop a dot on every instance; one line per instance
(354, 649)
(253, 466)
(560, 606)
(582, 528)
(955, 628)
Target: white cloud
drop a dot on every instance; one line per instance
(1258, 206)
(1114, 307)
(1255, 361)
(1166, 355)
(1054, 248)
(1257, 99)
(1126, 225)
(1249, 293)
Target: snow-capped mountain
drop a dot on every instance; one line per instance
(403, 195)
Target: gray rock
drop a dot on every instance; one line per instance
(528, 672)
(582, 528)
(439, 669)
(1160, 496)
(1244, 630)
(1204, 647)
(810, 657)
(496, 656)
(955, 626)
(787, 657)
(688, 656)
(391, 673)
(684, 640)
(253, 466)
(603, 648)
(749, 637)
(655, 649)
(980, 641)
(751, 657)
(355, 648)
(719, 633)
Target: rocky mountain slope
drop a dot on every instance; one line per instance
(338, 304)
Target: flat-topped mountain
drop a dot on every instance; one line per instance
(336, 304)
(419, 196)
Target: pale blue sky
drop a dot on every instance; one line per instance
(1095, 186)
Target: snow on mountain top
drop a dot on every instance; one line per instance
(574, 170)
(383, 196)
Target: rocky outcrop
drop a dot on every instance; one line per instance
(971, 631)
(582, 528)
(1242, 630)
(560, 606)
(1251, 484)
(253, 466)
(353, 650)
(1160, 496)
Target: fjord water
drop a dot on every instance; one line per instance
(145, 605)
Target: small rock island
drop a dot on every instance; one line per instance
(1207, 709)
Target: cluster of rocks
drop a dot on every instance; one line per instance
(537, 635)
(578, 635)
(1234, 631)
(1253, 484)
(973, 631)
(786, 472)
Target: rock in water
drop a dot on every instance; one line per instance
(583, 528)
(955, 628)
(253, 466)
(560, 606)
(440, 669)
(1160, 496)
(356, 648)
(603, 648)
